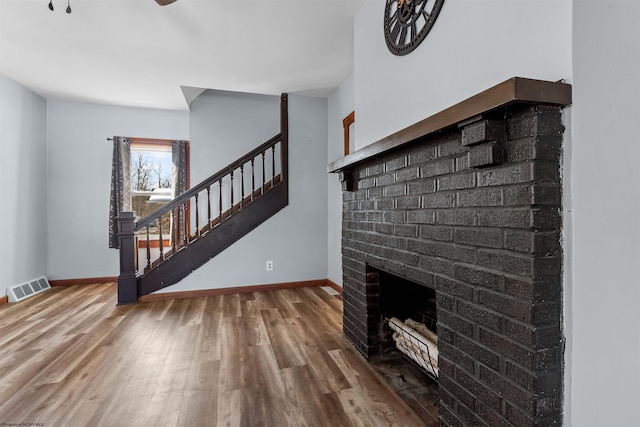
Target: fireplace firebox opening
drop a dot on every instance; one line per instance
(412, 304)
(407, 356)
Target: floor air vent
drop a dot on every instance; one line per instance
(28, 289)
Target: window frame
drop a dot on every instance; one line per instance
(154, 142)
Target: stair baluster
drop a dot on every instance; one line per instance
(273, 165)
(209, 206)
(241, 186)
(185, 223)
(220, 201)
(263, 173)
(173, 232)
(231, 190)
(148, 248)
(253, 178)
(197, 217)
(160, 238)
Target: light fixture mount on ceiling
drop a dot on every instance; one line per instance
(68, 5)
(164, 2)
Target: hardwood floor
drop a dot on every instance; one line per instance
(71, 357)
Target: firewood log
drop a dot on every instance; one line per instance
(422, 330)
(420, 361)
(421, 343)
(429, 354)
(403, 346)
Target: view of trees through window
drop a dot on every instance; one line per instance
(150, 168)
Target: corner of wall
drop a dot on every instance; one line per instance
(567, 265)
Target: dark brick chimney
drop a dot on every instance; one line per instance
(472, 211)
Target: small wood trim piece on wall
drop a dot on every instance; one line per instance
(346, 122)
(4, 300)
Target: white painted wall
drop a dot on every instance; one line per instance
(226, 125)
(472, 46)
(341, 104)
(23, 188)
(79, 180)
(603, 308)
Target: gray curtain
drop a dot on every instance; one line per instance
(179, 169)
(120, 186)
(178, 186)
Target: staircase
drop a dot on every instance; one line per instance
(205, 220)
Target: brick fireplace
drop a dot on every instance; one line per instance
(467, 203)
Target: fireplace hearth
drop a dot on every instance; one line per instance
(408, 320)
(456, 220)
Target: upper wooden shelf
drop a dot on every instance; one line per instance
(514, 90)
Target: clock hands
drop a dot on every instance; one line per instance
(404, 21)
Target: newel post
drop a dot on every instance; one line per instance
(127, 284)
(284, 149)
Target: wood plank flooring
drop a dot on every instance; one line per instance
(71, 357)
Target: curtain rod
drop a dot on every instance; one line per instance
(150, 140)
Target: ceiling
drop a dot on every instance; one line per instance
(137, 53)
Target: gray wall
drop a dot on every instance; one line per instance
(79, 180)
(340, 105)
(23, 192)
(602, 296)
(225, 125)
(472, 46)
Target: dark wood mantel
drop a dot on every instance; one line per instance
(514, 90)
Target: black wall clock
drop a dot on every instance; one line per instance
(407, 23)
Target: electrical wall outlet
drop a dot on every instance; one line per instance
(269, 265)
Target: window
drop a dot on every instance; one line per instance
(152, 183)
(151, 167)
